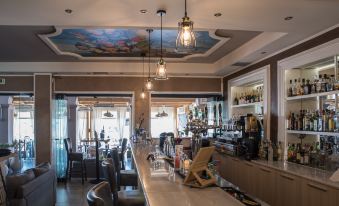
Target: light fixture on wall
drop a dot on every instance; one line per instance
(143, 94)
(186, 40)
(149, 83)
(161, 73)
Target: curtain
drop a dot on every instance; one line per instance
(81, 125)
(121, 121)
(59, 133)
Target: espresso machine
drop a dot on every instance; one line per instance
(252, 133)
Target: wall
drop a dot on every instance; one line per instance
(102, 84)
(17, 84)
(273, 62)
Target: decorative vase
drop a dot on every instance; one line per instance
(15, 164)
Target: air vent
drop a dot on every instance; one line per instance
(241, 64)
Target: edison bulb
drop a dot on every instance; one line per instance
(149, 84)
(186, 36)
(143, 95)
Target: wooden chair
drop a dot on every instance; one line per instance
(121, 198)
(74, 157)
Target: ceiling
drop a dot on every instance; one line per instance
(256, 30)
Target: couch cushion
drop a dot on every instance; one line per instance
(13, 182)
(41, 169)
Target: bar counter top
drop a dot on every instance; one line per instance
(165, 191)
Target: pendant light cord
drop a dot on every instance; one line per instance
(143, 68)
(185, 9)
(161, 36)
(149, 53)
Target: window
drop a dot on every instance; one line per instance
(159, 123)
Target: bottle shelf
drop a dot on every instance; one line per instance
(312, 132)
(312, 95)
(248, 105)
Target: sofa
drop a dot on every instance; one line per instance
(33, 187)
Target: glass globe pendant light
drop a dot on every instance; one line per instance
(186, 40)
(149, 83)
(161, 73)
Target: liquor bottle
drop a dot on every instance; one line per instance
(309, 86)
(270, 152)
(307, 155)
(322, 83)
(296, 122)
(294, 88)
(289, 90)
(300, 122)
(302, 87)
(289, 152)
(298, 85)
(298, 155)
(318, 84)
(311, 123)
(320, 122)
(292, 123)
(331, 122)
(280, 155)
(315, 121)
(288, 122)
(236, 100)
(305, 87)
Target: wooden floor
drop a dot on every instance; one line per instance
(72, 194)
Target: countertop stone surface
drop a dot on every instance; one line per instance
(163, 190)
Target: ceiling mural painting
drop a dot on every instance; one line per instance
(125, 43)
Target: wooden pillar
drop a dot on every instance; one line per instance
(142, 110)
(6, 120)
(42, 120)
(72, 120)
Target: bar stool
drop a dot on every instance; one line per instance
(100, 195)
(124, 177)
(121, 198)
(74, 157)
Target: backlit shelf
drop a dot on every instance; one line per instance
(312, 132)
(312, 95)
(248, 105)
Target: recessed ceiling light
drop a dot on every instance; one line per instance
(217, 14)
(288, 18)
(143, 11)
(68, 11)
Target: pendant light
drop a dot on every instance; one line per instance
(149, 83)
(143, 94)
(161, 73)
(186, 40)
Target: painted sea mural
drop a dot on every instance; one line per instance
(109, 42)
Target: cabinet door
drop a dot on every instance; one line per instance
(315, 194)
(250, 179)
(224, 165)
(266, 184)
(288, 190)
(235, 176)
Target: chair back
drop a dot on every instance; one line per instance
(68, 145)
(117, 165)
(123, 146)
(110, 175)
(100, 195)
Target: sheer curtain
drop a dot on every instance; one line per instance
(81, 125)
(122, 121)
(59, 133)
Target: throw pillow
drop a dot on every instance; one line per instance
(41, 169)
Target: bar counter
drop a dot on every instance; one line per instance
(162, 190)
